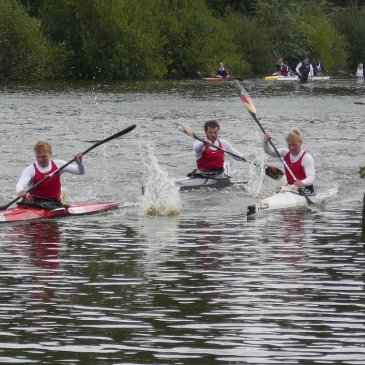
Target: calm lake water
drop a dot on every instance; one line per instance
(198, 283)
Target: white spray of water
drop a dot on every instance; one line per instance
(258, 183)
(160, 196)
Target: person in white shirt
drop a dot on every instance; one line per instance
(360, 71)
(44, 166)
(299, 161)
(209, 158)
(304, 70)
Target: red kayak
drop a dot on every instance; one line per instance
(217, 79)
(25, 213)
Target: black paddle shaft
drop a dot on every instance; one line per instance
(219, 148)
(271, 171)
(246, 99)
(116, 135)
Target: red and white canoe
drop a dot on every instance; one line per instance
(23, 213)
(218, 79)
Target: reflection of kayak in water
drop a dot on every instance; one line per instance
(24, 213)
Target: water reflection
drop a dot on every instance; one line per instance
(160, 236)
(202, 287)
(37, 245)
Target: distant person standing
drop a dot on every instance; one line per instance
(318, 68)
(360, 71)
(222, 72)
(304, 70)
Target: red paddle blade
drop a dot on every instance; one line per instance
(242, 93)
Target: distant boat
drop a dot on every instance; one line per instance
(281, 78)
(293, 78)
(217, 79)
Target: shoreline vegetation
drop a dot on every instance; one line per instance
(174, 39)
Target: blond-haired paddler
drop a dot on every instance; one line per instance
(50, 189)
(299, 160)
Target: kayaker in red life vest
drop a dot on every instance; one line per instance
(50, 189)
(208, 158)
(300, 162)
(285, 69)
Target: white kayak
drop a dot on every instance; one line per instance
(285, 199)
(281, 78)
(282, 199)
(215, 181)
(294, 78)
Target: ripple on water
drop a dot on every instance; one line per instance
(205, 286)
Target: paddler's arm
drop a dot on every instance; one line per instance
(269, 150)
(76, 168)
(198, 148)
(308, 165)
(24, 181)
(299, 65)
(228, 147)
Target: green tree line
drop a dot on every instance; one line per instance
(155, 39)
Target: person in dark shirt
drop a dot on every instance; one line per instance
(222, 72)
(318, 68)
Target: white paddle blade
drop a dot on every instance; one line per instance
(184, 128)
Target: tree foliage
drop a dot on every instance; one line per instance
(290, 30)
(139, 39)
(24, 52)
(328, 45)
(351, 24)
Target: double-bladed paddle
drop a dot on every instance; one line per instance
(116, 135)
(243, 94)
(270, 171)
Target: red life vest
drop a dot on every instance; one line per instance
(211, 158)
(295, 167)
(284, 70)
(50, 188)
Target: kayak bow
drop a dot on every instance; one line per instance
(287, 199)
(25, 213)
(281, 200)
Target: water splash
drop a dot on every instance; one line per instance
(160, 195)
(258, 183)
